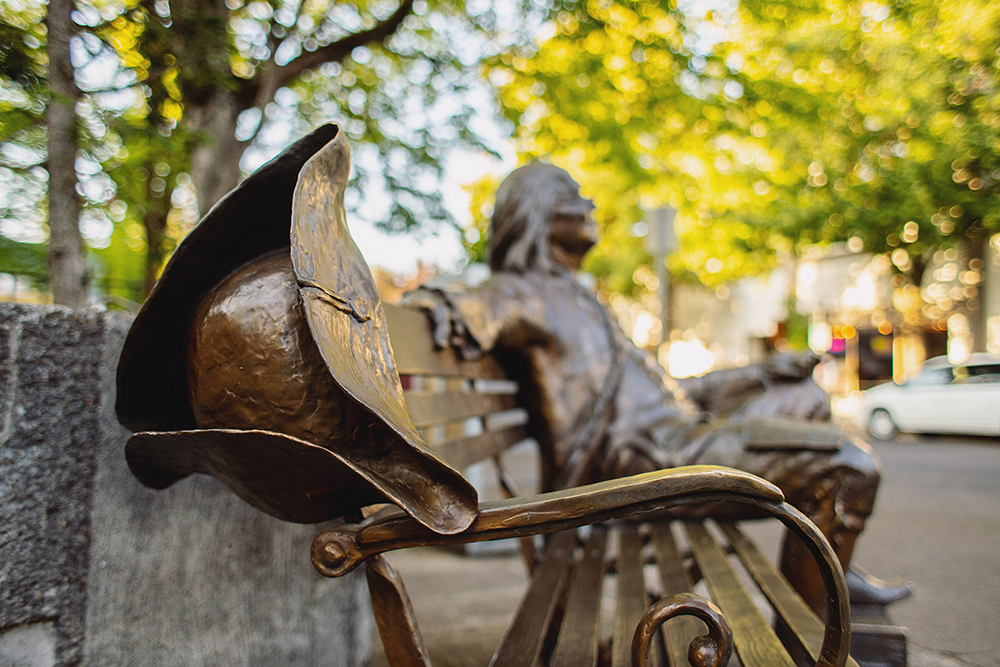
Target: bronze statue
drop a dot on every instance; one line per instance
(601, 408)
(262, 358)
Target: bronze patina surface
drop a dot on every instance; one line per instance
(601, 408)
(262, 358)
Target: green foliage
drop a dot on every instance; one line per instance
(121, 264)
(796, 328)
(406, 91)
(881, 123)
(24, 259)
(772, 127)
(403, 79)
(22, 139)
(481, 194)
(614, 97)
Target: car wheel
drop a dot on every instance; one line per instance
(881, 426)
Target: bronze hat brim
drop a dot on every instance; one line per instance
(152, 387)
(288, 478)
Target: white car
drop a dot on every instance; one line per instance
(937, 397)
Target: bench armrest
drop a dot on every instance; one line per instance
(338, 551)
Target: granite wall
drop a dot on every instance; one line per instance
(95, 569)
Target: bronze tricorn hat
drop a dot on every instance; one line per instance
(262, 358)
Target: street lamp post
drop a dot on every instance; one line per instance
(660, 242)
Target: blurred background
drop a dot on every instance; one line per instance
(769, 175)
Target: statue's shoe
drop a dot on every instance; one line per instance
(868, 590)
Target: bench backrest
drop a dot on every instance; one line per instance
(466, 410)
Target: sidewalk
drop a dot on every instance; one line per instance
(463, 604)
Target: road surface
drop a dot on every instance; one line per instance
(937, 524)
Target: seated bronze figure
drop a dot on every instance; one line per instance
(603, 409)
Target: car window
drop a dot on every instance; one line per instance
(933, 376)
(978, 374)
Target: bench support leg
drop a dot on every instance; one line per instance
(404, 645)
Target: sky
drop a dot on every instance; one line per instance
(400, 253)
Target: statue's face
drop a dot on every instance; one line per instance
(572, 231)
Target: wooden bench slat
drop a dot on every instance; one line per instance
(455, 429)
(428, 408)
(414, 352)
(677, 632)
(522, 643)
(630, 596)
(577, 644)
(462, 453)
(755, 641)
(786, 602)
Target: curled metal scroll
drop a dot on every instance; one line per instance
(711, 650)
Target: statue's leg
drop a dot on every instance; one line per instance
(837, 492)
(832, 480)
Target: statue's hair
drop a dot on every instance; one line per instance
(519, 231)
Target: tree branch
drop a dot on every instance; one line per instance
(337, 51)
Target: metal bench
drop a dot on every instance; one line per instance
(468, 411)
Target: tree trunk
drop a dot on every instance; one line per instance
(975, 307)
(68, 272)
(215, 161)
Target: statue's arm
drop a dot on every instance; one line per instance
(779, 385)
(476, 320)
(722, 385)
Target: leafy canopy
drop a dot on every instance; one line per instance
(771, 126)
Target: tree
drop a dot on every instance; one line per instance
(215, 74)
(22, 140)
(780, 125)
(618, 94)
(199, 82)
(66, 259)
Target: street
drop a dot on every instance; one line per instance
(937, 524)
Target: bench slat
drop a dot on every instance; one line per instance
(630, 596)
(522, 643)
(786, 602)
(462, 453)
(428, 408)
(577, 645)
(678, 632)
(756, 643)
(414, 352)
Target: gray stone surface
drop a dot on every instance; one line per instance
(31, 645)
(49, 433)
(120, 574)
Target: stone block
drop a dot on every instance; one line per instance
(96, 569)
